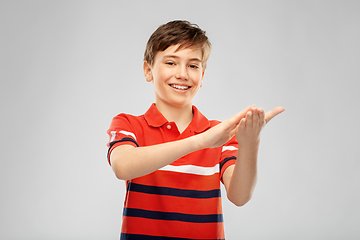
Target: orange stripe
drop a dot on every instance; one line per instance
(180, 180)
(174, 204)
(134, 225)
(204, 158)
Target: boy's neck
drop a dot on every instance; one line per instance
(182, 116)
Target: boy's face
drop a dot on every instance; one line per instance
(176, 75)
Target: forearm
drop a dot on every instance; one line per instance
(129, 162)
(243, 179)
(240, 180)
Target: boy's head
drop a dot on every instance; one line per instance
(176, 32)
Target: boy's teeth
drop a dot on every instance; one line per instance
(180, 87)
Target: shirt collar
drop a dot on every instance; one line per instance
(154, 118)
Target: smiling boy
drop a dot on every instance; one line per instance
(173, 158)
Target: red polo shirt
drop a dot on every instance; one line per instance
(181, 200)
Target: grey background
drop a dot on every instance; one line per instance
(68, 67)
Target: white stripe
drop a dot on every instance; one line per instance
(192, 169)
(128, 133)
(224, 148)
(113, 134)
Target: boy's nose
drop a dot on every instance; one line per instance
(182, 73)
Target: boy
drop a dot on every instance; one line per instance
(172, 158)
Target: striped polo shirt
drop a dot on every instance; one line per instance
(181, 200)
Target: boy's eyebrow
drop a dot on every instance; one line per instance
(174, 56)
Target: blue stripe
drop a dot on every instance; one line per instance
(126, 236)
(226, 160)
(175, 192)
(173, 216)
(125, 139)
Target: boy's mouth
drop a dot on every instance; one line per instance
(180, 87)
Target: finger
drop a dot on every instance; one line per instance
(242, 124)
(261, 117)
(242, 114)
(249, 119)
(273, 112)
(255, 117)
(237, 117)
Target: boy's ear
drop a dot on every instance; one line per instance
(202, 77)
(147, 72)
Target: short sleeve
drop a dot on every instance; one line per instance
(120, 133)
(228, 155)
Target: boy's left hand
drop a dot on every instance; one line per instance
(249, 128)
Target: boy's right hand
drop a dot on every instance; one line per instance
(224, 131)
(221, 133)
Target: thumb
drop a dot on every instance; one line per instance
(237, 117)
(235, 120)
(273, 112)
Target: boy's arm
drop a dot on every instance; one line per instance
(240, 179)
(129, 162)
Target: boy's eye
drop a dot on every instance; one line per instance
(170, 63)
(194, 66)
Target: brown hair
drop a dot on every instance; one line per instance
(177, 32)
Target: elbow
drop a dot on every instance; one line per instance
(120, 163)
(239, 201)
(121, 176)
(120, 172)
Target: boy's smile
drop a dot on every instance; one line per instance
(180, 87)
(176, 76)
